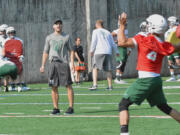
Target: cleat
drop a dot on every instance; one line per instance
(55, 112)
(70, 110)
(19, 89)
(24, 88)
(93, 88)
(171, 79)
(109, 88)
(12, 88)
(120, 81)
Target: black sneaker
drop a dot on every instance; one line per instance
(70, 110)
(55, 112)
(109, 88)
(93, 87)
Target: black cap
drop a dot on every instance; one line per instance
(58, 21)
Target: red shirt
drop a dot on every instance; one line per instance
(151, 53)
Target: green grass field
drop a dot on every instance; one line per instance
(96, 112)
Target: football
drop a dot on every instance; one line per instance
(178, 31)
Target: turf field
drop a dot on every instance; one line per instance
(96, 112)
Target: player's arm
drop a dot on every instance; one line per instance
(44, 59)
(45, 55)
(122, 40)
(72, 60)
(3, 52)
(114, 35)
(77, 57)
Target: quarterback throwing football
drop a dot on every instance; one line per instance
(151, 50)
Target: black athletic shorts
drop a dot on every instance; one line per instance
(59, 74)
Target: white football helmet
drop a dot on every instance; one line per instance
(157, 24)
(3, 27)
(143, 26)
(10, 29)
(173, 21)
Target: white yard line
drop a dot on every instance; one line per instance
(82, 116)
(14, 113)
(172, 103)
(103, 86)
(88, 94)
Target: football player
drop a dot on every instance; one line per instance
(174, 59)
(151, 50)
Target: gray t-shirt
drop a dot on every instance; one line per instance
(58, 46)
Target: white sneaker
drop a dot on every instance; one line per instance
(171, 79)
(124, 134)
(119, 81)
(25, 88)
(178, 80)
(19, 89)
(93, 87)
(12, 88)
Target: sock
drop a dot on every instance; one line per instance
(172, 75)
(124, 128)
(119, 76)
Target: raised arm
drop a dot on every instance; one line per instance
(122, 40)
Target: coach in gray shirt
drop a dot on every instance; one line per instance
(58, 47)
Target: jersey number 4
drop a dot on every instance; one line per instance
(152, 56)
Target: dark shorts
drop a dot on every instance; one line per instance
(146, 88)
(102, 62)
(174, 56)
(59, 74)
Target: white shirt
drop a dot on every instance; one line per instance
(116, 32)
(126, 34)
(102, 42)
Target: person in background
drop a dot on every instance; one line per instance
(121, 60)
(3, 37)
(79, 58)
(102, 45)
(143, 29)
(174, 59)
(58, 47)
(21, 85)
